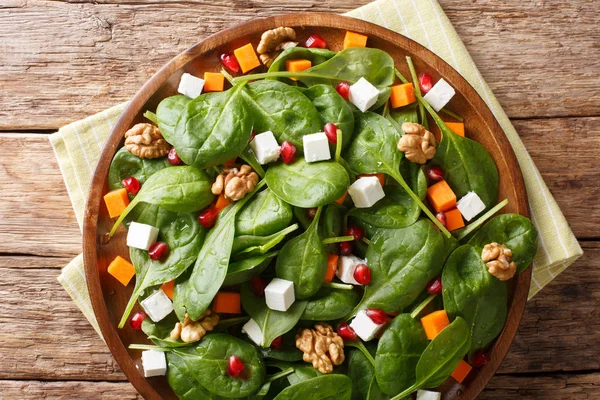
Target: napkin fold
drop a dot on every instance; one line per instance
(77, 146)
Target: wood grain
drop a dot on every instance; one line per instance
(36, 390)
(101, 54)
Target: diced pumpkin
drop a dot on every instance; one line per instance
(402, 95)
(332, 260)
(227, 303)
(168, 288)
(457, 127)
(353, 39)
(454, 219)
(441, 197)
(214, 82)
(297, 66)
(434, 323)
(461, 371)
(122, 270)
(221, 202)
(246, 57)
(379, 176)
(342, 199)
(116, 202)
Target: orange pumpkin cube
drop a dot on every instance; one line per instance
(116, 202)
(214, 82)
(246, 57)
(457, 127)
(122, 270)
(441, 197)
(402, 95)
(332, 261)
(454, 219)
(353, 39)
(461, 371)
(434, 323)
(222, 202)
(227, 303)
(297, 66)
(342, 199)
(168, 288)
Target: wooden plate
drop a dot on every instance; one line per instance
(109, 297)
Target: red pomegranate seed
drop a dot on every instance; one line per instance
(343, 88)
(235, 366)
(356, 231)
(230, 62)
(258, 286)
(173, 157)
(316, 42)
(288, 152)
(480, 358)
(435, 174)
(230, 163)
(158, 251)
(362, 274)
(131, 184)
(435, 286)
(378, 316)
(277, 343)
(208, 217)
(425, 82)
(137, 319)
(442, 218)
(311, 213)
(331, 131)
(345, 248)
(346, 332)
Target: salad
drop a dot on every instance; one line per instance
(313, 231)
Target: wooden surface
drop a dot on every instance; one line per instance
(60, 61)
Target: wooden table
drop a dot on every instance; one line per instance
(61, 61)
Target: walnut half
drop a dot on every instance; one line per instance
(191, 331)
(235, 182)
(273, 42)
(417, 144)
(321, 346)
(498, 261)
(145, 141)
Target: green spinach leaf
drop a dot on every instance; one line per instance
(264, 215)
(125, 164)
(326, 387)
(330, 304)
(168, 112)
(361, 372)
(243, 270)
(249, 245)
(182, 381)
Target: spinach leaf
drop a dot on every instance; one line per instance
(213, 128)
(398, 352)
(249, 245)
(289, 353)
(308, 185)
(402, 261)
(330, 304)
(182, 380)
(264, 215)
(316, 56)
(361, 372)
(168, 112)
(303, 261)
(326, 387)
(405, 114)
(515, 232)
(243, 270)
(272, 323)
(333, 224)
(471, 292)
(375, 392)
(303, 373)
(302, 217)
(124, 164)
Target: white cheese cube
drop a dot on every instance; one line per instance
(439, 95)
(157, 305)
(364, 326)
(141, 236)
(190, 85)
(470, 205)
(154, 363)
(363, 95)
(316, 147)
(279, 294)
(265, 147)
(366, 191)
(345, 269)
(428, 395)
(254, 332)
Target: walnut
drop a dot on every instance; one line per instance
(191, 331)
(497, 258)
(418, 144)
(273, 42)
(236, 182)
(321, 346)
(146, 141)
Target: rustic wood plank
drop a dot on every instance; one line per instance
(100, 54)
(36, 390)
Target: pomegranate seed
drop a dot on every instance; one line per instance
(131, 184)
(230, 163)
(346, 332)
(258, 286)
(331, 131)
(435, 174)
(230, 62)
(343, 88)
(252, 135)
(311, 213)
(315, 41)
(435, 286)
(356, 231)
(208, 217)
(425, 82)
(137, 319)
(235, 366)
(277, 343)
(442, 218)
(345, 248)
(480, 358)
(173, 157)
(378, 316)
(362, 274)
(158, 251)
(288, 152)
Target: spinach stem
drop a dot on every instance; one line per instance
(463, 233)
(421, 306)
(151, 116)
(281, 374)
(360, 346)
(365, 240)
(269, 245)
(287, 74)
(413, 74)
(132, 300)
(130, 207)
(249, 158)
(227, 75)
(403, 395)
(452, 114)
(338, 145)
(338, 239)
(147, 347)
(400, 76)
(334, 285)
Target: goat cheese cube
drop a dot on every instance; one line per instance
(254, 332)
(316, 147)
(190, 85)
(279, 294)
(154, 363)
(363, 95)
(364, 326)
(366, 191)
(141, 236)
(265, 147)
(428, 395)
(470, 205)
(439, 95)
(345, 269)
(157, 305)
